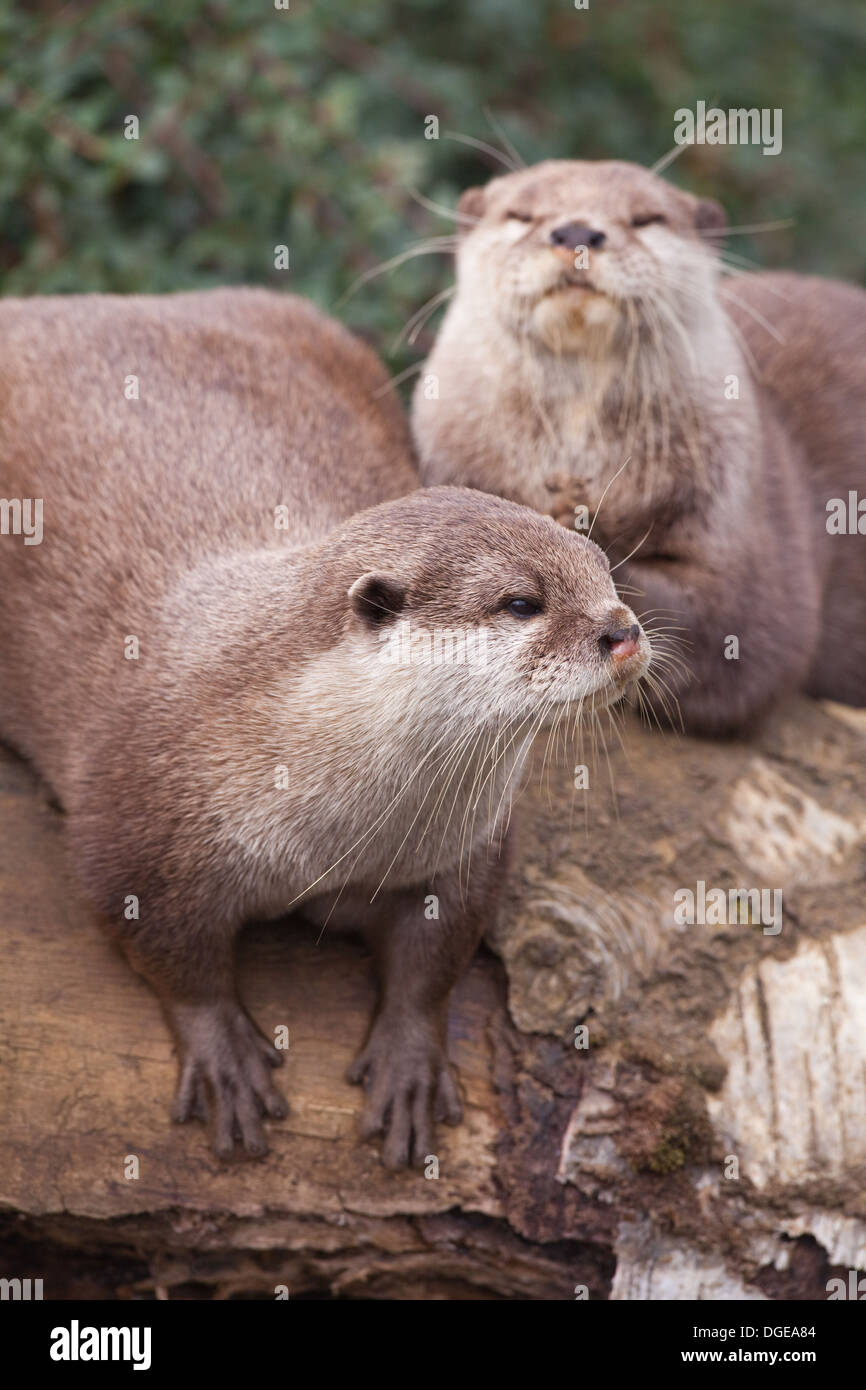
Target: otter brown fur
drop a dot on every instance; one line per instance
(590, 327)
(255, 752)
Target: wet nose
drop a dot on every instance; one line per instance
(574, 234)
(620, 642)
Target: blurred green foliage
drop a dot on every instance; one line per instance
(305, 126)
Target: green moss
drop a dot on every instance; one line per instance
(667, 1157)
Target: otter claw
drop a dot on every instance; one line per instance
(225, 1077)
(409, 1090)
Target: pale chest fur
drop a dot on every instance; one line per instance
(554, 434)
(349, 791)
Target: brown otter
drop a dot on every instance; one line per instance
(590, 327)
(193, 658)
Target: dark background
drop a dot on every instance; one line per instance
(306, 127)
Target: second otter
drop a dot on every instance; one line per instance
(589, 328)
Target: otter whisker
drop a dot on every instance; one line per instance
(497, 129)
(676, 666)
(668, 158)
(363, 836)
(497, 758)
(529, 358)
(452, 762)
(352, 866)
(671, 612)
(416, 321)
(483, 146)
(710, 233)
(606, 751)
(758, 317)
(661, 412)
(468, 763)
(691, 419)
(739, 266)
(660, 689)
(404, 839)
(371, 836)
(431, 247)
(467, 824)
(530, 718)
(527, 743)
(612, 712)
(706, 301)
(604, 494)
(665, 634)
(490, 780)
(572, 732)
(560, 747)
(462, 763)
(636, 548)
(648, 714)
(662, 312)
(469, 811)
(667, 643)
(451, 213)
(544, 761)
(395, 381)
(578, 731)
(653, 628)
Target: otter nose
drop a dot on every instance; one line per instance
(620, 642)
(574, 234)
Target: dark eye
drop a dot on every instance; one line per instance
(522, 607)
(645, 218)
(520, 216)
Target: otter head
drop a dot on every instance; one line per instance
(574, 254)
(481, 611)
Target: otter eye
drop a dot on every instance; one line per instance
(645, 218)
(519, 216)
(522, 607)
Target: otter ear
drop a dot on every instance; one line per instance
(710, 215)
(376, 599)
(470, 205)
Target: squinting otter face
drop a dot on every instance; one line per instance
(543, 623)
(568, 252)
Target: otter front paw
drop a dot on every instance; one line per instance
(409, 1089)
(225, 1065)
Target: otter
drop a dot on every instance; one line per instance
(196, 657)
(594, 365)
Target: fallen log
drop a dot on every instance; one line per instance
(654, 1108)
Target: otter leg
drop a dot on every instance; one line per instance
(225, 1061)
(404, 1064)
